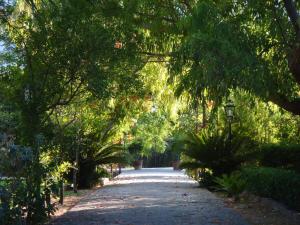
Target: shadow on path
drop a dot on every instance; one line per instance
(151, 197)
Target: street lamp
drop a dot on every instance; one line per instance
(229, 110)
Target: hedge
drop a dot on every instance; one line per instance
(285, 156)
(279, 184)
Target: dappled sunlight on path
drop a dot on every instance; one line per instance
(151, 197)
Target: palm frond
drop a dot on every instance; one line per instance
(110, 153)
(215, 152)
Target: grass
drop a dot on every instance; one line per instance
(79, 193)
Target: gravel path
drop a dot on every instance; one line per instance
(151, 197)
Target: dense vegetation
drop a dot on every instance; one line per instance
(86, 85)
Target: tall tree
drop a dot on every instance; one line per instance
(56, 50)
(248, 44)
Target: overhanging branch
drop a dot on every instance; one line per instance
(291, 106)
(293, 15)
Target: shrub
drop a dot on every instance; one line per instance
(214, 152)
(206, 178)
(89, 172)
(281, 156)
(20, 198)
(279, 184)
(232, 184)
(13, 202)
(135, 150)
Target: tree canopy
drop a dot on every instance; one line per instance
(81, 80)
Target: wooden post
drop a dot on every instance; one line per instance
(48, 201)
(111, 170)
(75, 170)
(61, 192)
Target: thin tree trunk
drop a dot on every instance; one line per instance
(75, 170)
(204, 111)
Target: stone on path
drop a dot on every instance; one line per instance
(158, 196)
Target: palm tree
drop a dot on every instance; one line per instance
(215, 152)
(99, 151)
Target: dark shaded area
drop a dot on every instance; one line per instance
(285, 156)
(157, 159)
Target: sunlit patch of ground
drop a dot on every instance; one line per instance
(152, 175)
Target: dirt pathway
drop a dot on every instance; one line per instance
(151, 197)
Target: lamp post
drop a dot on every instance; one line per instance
(229, 110)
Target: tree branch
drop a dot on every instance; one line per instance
(291, 106)
(294, 56)
(153, 54)
(293, 15)
(277, 20)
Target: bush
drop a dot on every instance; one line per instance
(13, 202)
(281, 156)
(135, 150)
(279, 184)
(214, 152)
(21, 199)
(206, 178)
(90, 174)
(96, 157)
(232, 184)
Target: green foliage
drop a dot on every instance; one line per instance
(222, 47)
(18, 189)
(135, 150)
(215, 152)
(97, 154)
(284, 156)
(13, 202)
(232, 184)
(154, 122)
(9, 118)
(90, 174)
(83, 72)
(15, 160)
(206, 178)
(53, 52)
(263, 122)
(152, 129)
(279, 184)
(54, 169)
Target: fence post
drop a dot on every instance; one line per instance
(61, 192)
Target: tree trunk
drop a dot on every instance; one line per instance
(204, 112)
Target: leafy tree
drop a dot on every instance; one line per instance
(54, 51)
(246, 44)
(154, 122)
